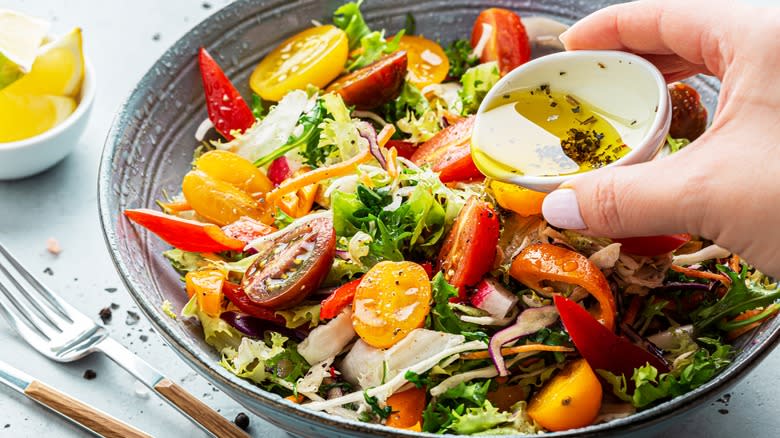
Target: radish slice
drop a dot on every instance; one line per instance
(492, 297)
(529, 322)
(279, 170)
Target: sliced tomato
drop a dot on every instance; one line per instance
(247, 229)
(234, 169)
(218, 201)
(291, 264)
(428, 64)
(227, 110)
(449, 152)
(392, 299)
(338, 300)
(405, 148)
(236, 295)
(373, 85)
(508, 41)
(315, 56)
(651, 246)
(468, 252)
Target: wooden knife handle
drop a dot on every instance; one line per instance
(199, 411)
(83, 414)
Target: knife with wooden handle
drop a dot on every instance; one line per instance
(84, 415)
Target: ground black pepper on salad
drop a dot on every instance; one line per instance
(340, 249)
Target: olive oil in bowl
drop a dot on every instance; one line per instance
(544, 132)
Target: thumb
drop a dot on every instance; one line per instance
(662, 196)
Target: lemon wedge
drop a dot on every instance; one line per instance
(58, 70)
(29, 115)
(20, 38)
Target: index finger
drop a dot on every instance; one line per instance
(659, 28)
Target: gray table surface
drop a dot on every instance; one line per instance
(123, 38)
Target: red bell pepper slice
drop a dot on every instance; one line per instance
(545, 262)
(227, 109)
(236, 295)
(185, 234)
(603, 349)
(247, 229)
(339, 299)
(651, 246)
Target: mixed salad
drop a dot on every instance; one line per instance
(340, 249)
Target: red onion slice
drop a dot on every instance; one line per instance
(369, 133)
(529, 322)
(492, 297)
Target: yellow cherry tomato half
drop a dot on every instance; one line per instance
(206, 285)
(234, 169)
(571, 399)
(521, 200)
(315, 56)
(426, 61)
(393, 299)
(218, 201)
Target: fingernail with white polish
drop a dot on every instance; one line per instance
(560, 209)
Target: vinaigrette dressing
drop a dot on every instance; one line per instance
(542, 132)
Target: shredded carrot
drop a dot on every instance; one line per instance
(693, 273)
(508, 351)
(392, 163)
(633, 310)
(297, 399)
(734, 263)
(739, 331)
(452, 118)
(339, 169)
(385, 134)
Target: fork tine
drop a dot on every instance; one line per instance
(33, 337)
(53, 300)
(30, 320)
(50, 317)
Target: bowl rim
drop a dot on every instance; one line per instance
(86, 98)
(661, 121)
(196, 358)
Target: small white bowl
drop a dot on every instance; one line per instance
(619, 83)
(19, 159)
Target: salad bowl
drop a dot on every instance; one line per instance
(150, 146)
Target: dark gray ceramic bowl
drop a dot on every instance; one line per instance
(150, 145)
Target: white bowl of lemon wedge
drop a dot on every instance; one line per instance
(46, 92)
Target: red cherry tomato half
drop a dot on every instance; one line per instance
(292, 264)
(449, 152)
(508, 42)
(468, 252)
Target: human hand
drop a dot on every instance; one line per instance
(724, 186)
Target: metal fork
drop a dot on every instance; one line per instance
(62, 333)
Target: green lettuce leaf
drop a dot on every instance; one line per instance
(184, 261)
(374, 46)
(460, 55)
(473, 394)
(339, 137)
(651, 386)
(216, 332)
(349, 19)
(442, 316)
(421, 128)
(477, 81)
(743, 295)
(301, 314)
(475, 420)
(411, 100)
